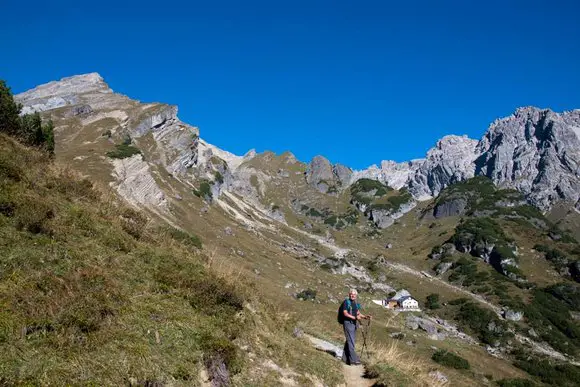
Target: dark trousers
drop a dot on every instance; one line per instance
(349, 356)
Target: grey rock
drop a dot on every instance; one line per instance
(319, 174)
(386, 218)
(79, 110)
(343, 174)
(535, 151)
(389, 246)
(325, 346)
(443, 267)
(439, 336)
(412, 323)
(439, 377)
(327, 178)
(512, 315)
(391, 173)
(297, 332)
(450, 161)
(228, 231)
(443, 251)
(427, 326)
(455, 207)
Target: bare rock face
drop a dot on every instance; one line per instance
(536, 152)
(454, 207)
(391, 173)
(61, 93)
(449, 162)
(87, 114)
(327, 178)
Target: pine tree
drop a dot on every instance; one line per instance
(31, 129)
(48, 137)
(9, 111)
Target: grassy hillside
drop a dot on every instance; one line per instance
(92, 292)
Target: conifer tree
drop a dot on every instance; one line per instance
(9, 110)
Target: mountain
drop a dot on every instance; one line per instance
(484, 229)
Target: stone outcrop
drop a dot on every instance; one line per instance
(450, 161)
(454, 207)
(383, 218)
(325, 177)
(535, 151)
(391, 173)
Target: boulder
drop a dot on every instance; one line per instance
(512, 315)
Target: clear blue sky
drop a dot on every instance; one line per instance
(356, 81)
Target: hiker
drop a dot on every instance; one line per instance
(351, 314)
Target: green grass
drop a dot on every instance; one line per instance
(449, 359)
(123, 151)
(93, 293)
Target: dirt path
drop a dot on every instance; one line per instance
(353, 376)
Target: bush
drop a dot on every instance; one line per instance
(123, 151)
(205, 190)
(449, 359)
(185, 238)
(432, 301)
(490, 329)
(550, 372)
(218, 177)
(305, 295)
(516, 383)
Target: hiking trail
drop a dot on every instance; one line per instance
(353, 375)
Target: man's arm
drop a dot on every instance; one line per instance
(348, 315)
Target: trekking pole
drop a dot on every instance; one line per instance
(365, 333)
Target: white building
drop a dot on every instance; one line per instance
(408, 302)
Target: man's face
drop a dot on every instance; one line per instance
(352, 296)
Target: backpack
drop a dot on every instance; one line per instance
(340, 317)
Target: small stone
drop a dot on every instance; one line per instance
(439, 377)
(228, 231)
(297, 332)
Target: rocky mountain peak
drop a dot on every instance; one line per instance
(67, 86)
(535, 151)
(450, 161)
(325, 177)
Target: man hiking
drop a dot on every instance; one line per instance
(350, 315)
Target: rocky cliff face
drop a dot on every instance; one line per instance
(90, 118)
(536, 152)
(450, 161)
(327, 178)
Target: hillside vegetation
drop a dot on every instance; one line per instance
(91, 292)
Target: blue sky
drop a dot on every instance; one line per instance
(358, 82)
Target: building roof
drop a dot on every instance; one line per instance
(406, 298)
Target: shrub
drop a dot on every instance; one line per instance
(184, 237)
(458, 301)
(123, 151)
(549, 372)
(218, 177)
(205, 190)
(484, 323)
(516, 383)
(433, 301)
(308, 294)
(449, 359)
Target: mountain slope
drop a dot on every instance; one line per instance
(318, 228)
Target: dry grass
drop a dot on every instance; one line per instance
(392, 366)
(92, 292)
